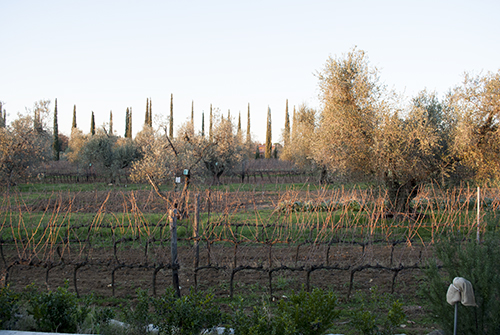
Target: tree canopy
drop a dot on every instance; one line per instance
(361, 132)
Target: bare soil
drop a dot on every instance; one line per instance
(92, 271)
(96, 276)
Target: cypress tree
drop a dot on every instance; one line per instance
(294, 125)
(2, 122)
(37, 122)
(130, 123)
(268, 135)
(92, 124)
(146, 117)
(202, 124)
(111, 122)
(171, 124)
(127, 120)
(248, 125)
(150, 113)
(192, 112)
(74, 117)
(286, 135)
(210, 135)
(55, 143)
(3, 116)
(239, 123)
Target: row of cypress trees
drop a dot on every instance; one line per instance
(148, 120)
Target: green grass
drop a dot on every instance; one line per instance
(236, 187)
(76, 187)
(261, 224)
(283, 187)
(76, 225)
(265, 225)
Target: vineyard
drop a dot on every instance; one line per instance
(114, 242)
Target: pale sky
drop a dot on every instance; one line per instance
(109, 55)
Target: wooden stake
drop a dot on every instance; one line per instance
(196, 227)
(478, 211)
(173, 251)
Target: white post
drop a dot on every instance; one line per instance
(478, 211)
(455, 320)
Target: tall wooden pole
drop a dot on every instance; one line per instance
(478, 211)
(173, 251)
(196, 227)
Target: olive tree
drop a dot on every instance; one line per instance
(104, 153)
(76, 142)
(25, 143)
(367, 134)
(155, 161)
(407, 153)
(22, 148)
(225, 152)
(164, 160)
(302, 139)
(475, 136)
(349, 93)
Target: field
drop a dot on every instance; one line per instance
(253, 240)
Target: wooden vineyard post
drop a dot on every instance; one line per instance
(196, 227)
(173, 251)
(478, 213)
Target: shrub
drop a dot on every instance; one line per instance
(312, 313)
(477, 263)
(97, 321)
(261, 322)
(376, 314)
(8, 306)
(186, 315)
(353, 205)
(139, 316)
(55, 311)
(302, 313)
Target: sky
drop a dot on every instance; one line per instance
(106, 56)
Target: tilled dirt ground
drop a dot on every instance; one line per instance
(97, 274)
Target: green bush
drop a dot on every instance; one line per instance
(324, 206)
(97, 321)
(262, 322)
(9, 305)
(377, 314)
(302, 313)
(365, 321)
(477, 263)
(55, 311)
(139, 316)
(186, 315)
(353, 205)
(312, 313)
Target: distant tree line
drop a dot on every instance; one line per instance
(155, 154)
(362, 132)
